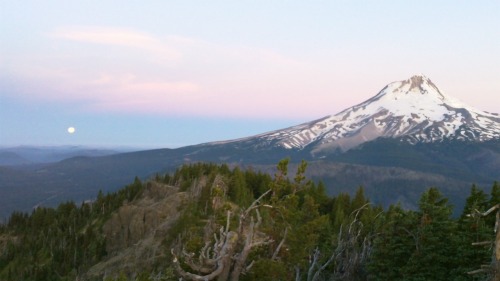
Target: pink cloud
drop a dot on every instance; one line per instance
(118, 37)
(208, 79)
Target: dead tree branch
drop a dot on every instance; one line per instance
(278, 249)
(227, 258)
(347, 256)
(494, 267)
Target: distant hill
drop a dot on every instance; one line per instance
(22, 155)
(9, 158)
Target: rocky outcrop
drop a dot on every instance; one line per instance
(135, 232)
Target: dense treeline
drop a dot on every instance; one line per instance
(428, 244)
(300, 232)
(58, 244)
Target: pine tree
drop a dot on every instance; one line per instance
(341, 208)
(471, 230)
(435, 247)
(238, 191)
(393, 245)
(495, 194)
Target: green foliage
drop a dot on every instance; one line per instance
(425, 244)
(393, 246)
(268, 270)
(495, 194)
(56, 244)
(473, 229)
(238, 191)
(435, 244)
(429, 244)
(281, 183)
(257, 182)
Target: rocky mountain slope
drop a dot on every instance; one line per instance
(135, 232)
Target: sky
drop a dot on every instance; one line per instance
(166, 74)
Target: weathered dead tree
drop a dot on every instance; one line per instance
(347, 257)
(219, 189)
(493, 269)
(225, 258)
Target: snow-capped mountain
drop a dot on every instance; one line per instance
(413, 110)
(391, 169)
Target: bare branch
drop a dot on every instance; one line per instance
(314, 261)
(477, 271)
(483, 243)
(226, 259)
(256, 201)
(477, 213)
(347, 255)
(222, 261)
(252, 207)
(259, 219)
(249, 266)
(297, 273)
(494, 267)
(228, 219)
(191, 276)
(276, 252)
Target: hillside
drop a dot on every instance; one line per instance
(213, 222)
(383, 165)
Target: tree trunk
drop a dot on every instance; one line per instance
(496, 265)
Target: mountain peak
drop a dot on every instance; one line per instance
(419, 78)
(418, 84)
(418, 81)
(413, 110)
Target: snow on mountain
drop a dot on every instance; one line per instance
(414, 110)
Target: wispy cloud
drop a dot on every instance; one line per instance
(128, 93)
(208, 78)
(117, 37)
(110, 92)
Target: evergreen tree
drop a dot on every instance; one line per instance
(495, 194)
(394, 244)
(435, 243)
(238, 191)
(341, 208)
(471, 230)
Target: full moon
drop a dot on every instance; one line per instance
(71, 130)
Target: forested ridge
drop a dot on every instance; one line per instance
(245, 225)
